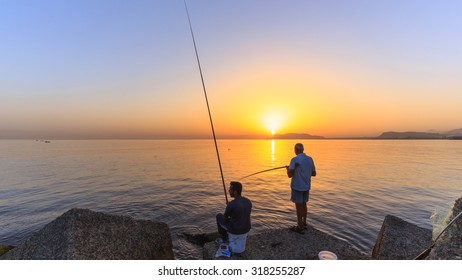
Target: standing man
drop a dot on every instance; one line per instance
(301, 169)
(236, 219)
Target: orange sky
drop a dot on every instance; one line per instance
(131, 73)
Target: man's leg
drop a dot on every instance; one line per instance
(305, 213)
(221, 226)
(299, 207)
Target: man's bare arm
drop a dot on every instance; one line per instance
(290, 172)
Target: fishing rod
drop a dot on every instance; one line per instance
(267, 170)
(427, 251)
(206, 100)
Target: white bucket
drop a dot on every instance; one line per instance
(237, 242)
(326, 255)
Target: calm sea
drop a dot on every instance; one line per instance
(178, 182)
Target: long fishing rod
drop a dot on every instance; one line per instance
(207, 101)
(427, 251)
(267, 170)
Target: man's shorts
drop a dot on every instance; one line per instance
(299, 196)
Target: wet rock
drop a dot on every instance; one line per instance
(81, 234)
(201, 238)
(400, 240)
(449, 245)
(283, 244)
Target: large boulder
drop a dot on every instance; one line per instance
(400, 240)
(283, 244)
(449, 245)
(81, 234)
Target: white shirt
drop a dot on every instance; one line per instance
(304, 167)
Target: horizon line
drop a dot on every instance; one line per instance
(219, 138)
(286, 136)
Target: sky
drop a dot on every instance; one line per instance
(127, 69)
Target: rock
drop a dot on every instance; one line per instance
(81, 234)
(201, 238)
(283, 244)
(400, 240)
(449, 245)
(5, 248)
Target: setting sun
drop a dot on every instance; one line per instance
(272, 122)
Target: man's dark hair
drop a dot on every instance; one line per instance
(237, 187)
(299, 147)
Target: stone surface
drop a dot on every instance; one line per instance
(5, 248)
(81, 234)
(283, 244)
(201, 238)
(400, 240)
(449, 245)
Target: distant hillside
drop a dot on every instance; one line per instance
(297, 136)
(410, 135)
(454, 132)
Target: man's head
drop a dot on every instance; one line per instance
(298, 148)
(235, 189)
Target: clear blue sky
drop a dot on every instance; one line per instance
(71, 69)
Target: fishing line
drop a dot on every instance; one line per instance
(207, 101)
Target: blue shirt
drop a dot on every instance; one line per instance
(304, 167)
(237, 215)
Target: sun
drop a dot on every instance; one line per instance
(272, 123)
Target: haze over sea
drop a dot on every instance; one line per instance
(178, 182)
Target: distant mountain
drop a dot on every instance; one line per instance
(454, 132)
(410, 135)
(297, 136)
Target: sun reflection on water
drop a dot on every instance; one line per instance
(272, 151)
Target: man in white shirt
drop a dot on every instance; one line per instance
(301, 169)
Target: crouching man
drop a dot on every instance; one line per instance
(236, 219)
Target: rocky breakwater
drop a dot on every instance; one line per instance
(396, 240)
(449, 245)
(283, 244)
(81, 234)
(400, 240)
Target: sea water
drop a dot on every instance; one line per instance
(178, 182)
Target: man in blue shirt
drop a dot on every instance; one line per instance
(301, 169)
(236, 219)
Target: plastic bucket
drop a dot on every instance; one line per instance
(327, 255)
(237, 242)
